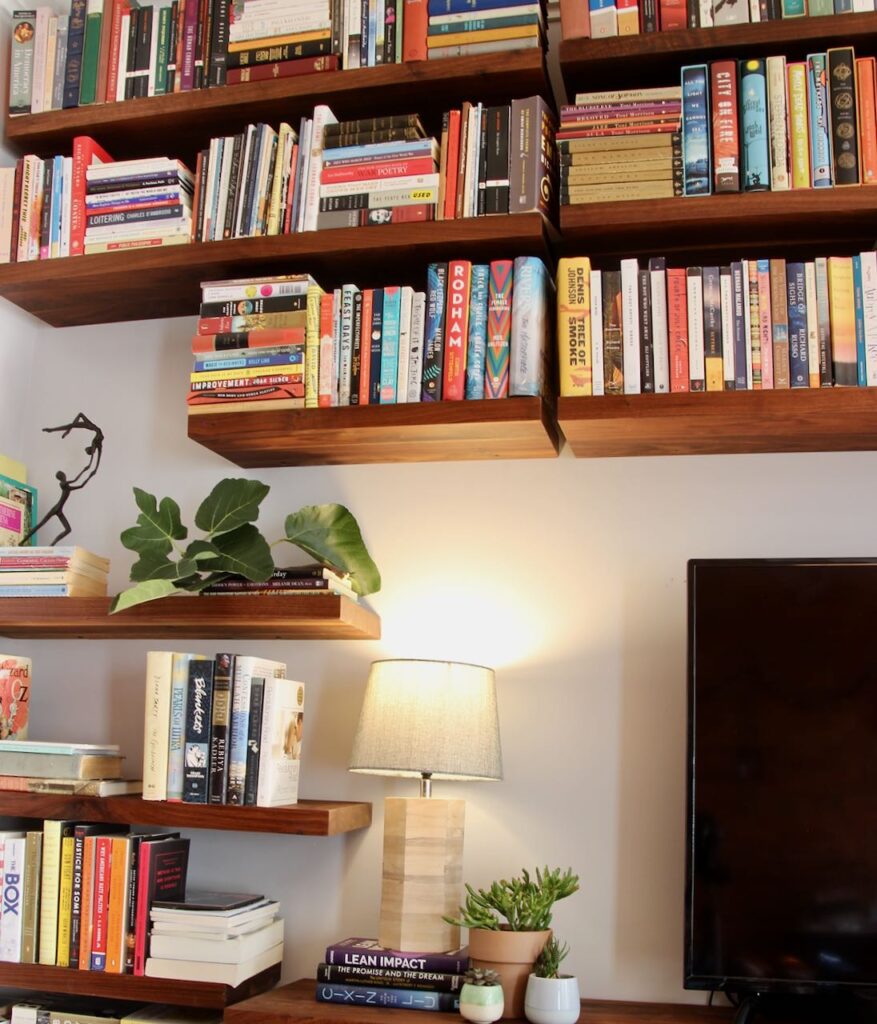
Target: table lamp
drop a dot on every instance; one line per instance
(427, 720)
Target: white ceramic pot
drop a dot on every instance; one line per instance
(481, 1004)
(552, 1000)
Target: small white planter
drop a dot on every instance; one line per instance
(481, 1004)
(552, 1000)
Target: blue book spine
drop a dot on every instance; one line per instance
(401, 998)
(600, 5)
(799, 361)
(477, 341)
(75, 43)
(36, 590)
(465, 6)
(377, 347)
(753, 126)
(740, 312)
(390, 344)
(57, 207)
(434, 335)
(697, 178)
(843, 6)
(859, 302)
(372, 31)
(243, 362)
(177, 731)
(820, 141)
(478, 24)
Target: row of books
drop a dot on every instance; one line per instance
(52, 572)
(359, 971)
(767, 124)
(78, 894)
(221, 730)
(57, 1009)
(18, 499)
(755, 324)
(476, 331)
(602, 18)
(481, 27)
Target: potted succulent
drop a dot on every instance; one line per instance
(509, 925)
(481, 998)
(552, 997)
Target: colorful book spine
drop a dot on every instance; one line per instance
(433, 342)
(390, 344)
(799, 357)
(477, 340)
(613, 334)
(179, 682)
(712, 329)
(117, 918)
(65, 901)
(22, 60)
(842, 115)
(763, 325)
(754, 125)
(677, 326)
(812, 324)
(843, 321)
(820, 139)
(499, 329)
(457, 329)
(100, 906)
(779, 324)
(574, 326)
(695, 131)
(603, 17)
(530, 326)
(312, 350)
(725, 134)
(696, 366)
(799, 135)
(859, 309)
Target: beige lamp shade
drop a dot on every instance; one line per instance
(429, 717)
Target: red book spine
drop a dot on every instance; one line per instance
(457, 329)
(575, 20)
(677, 329)
(673, 15)
(383, 169)
(141, 921)
(414, 24)
(726, 145)
(270, 338)
(282, 69)
(365, 355)
(100, 913)
(452, 168)
(85, 152)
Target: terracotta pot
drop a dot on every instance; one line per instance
(511, 955)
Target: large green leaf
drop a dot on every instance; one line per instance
(331, 534)
(148, 590)
(155, 566)
(231, 503)
(158, 525)
(244, 551)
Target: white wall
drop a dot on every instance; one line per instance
(567, 576)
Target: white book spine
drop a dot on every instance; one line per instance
(747, 324)
(705, 14)
(775, 68)
(415, 357)
(604, 22)
(254, 29)
(660, 330)
(123, 58)
(352, 34)
(696, 370)
(726, 293)
(413, 181)
(304, 143)
(13, 889)
(404, 344)
(813, 324)
(41, 44)
(260, 204)
(471, 168)
(156, 732)
(475, 139)
(630, 325)
(529, 327)
(754, 11)
(322, 116)
(348, 293)
(869, 307)
(153, 50)
(598, 385)
(51, 47)
(7, 188)
(861, 6)
(206, 226)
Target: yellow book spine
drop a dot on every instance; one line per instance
(486, 35)
(799, 134)
(118, 902)
(51, 870)
(574, 326)
(842, 312)
(312, 347)
(283, 140)
(65, 901)
(290, 40)
(247, 372)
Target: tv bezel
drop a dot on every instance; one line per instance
(743, 984)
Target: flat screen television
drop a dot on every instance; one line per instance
(781, 887)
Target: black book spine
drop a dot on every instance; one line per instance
(646, 349)
(335, 20)
(692, 8)
(233, 186)
(483, 132)
(650, 16)
(434, 332)
(373, 124)
(76, 902)
(97, 220)
(262, 222)
(198, 212)
(356, 350)
(219, 43)
(144, 51)
(252, 179)
(254, 739)
(377, 337)
(170, 179)
(196, 751)
(432, 981)
(244, 307)
(46, 210)
(405, 133)
(278, 54)
(131, 62)
(842, 104)
(390, 31)
(223, 674)
(363, 38)
(496, 192)
(136, 840)
(198, 56)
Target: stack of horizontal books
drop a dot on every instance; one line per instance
(304, 581)
(65, 1009)
(35, 766)
(457, 29)
(65, 571)
(217, 937)
(361, 972)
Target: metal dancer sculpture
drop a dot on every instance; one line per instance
(93, 450)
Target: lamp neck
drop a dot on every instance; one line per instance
(425, 785)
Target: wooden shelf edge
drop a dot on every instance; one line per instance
(64, 980)
(287, 617)
(733, 422)
(356, 435)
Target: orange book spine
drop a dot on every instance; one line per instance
(575, 19)
(365, 350)
(677, 329)
(327, 352)
(118, 905)
(866, 84)
(87, 889)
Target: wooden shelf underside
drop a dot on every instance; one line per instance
(750, 222)
(592, 64)
(326, 617)
(40, 979)
(800, 420)
(163, 282)
(508, 428)
(184, 122)
(306, 818)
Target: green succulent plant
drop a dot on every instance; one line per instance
(523, 904)
(481, 976)
(549, 960)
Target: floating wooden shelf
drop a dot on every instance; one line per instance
(151, 283)
(656, 58)
(295, 1004)
(508, 428)
(306, 818)
(800, 420)
(138, 989)
(288, 617)
(181, 124)
(750, 223)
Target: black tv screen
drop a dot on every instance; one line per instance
(782, 775)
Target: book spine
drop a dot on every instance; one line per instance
(254, 736)
(198, 718)
(696, 368)
(697, 179)
(131, 893)
(529, 338)
(377, 345)
(176, 734)
(766, 323)
(712, 329)
(117, 924)
(434, 981)
(31, 897)
(613, 334)
(799, 135)
(13, 877)
(323, 364)
(392, 315)
(315, 384)
(159, 667)
(100, 913)
(415, 355)
(779, 323)
(65, 902)
(574, 326)
(813, 322)
(859, 308)
(365, 351)
(141, 918)
(220, 719)
(404, 344)
(646, 349)
(350, 955)
(596, 283)
(740, 315)
(21, 59)
(457, 329)
(90, 52)
(842, 112)
(725, 134)
(500, 296)
(820, 138)
(433, 345)
(754, 125)
(411, 999)
(532, 158)
(630, 326)
(87, 915)
(659, 323)
(869, 304)
(51, 870)
(775, 71)
(796, 284)
(866, 87)
(726, 291)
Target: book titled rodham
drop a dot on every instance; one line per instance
(369, 953)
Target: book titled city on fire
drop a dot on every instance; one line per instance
(362, 972)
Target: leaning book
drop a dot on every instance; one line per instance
(280, 743)
(15, 679)
(18, 511)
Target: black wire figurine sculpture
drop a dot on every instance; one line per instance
(93, 450)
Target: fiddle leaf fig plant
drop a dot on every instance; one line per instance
(233, 545)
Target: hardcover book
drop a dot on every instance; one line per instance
(754, 125)
(198, 714)
(842, 110)
(613, 334)
(799, 370)
(574, 326)
(725, 136)
(369, 953)
(457, 329)
(712, 329)
(15, 683)
(695, 131)
(530, 326)
(433, 342)
(499, 329)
